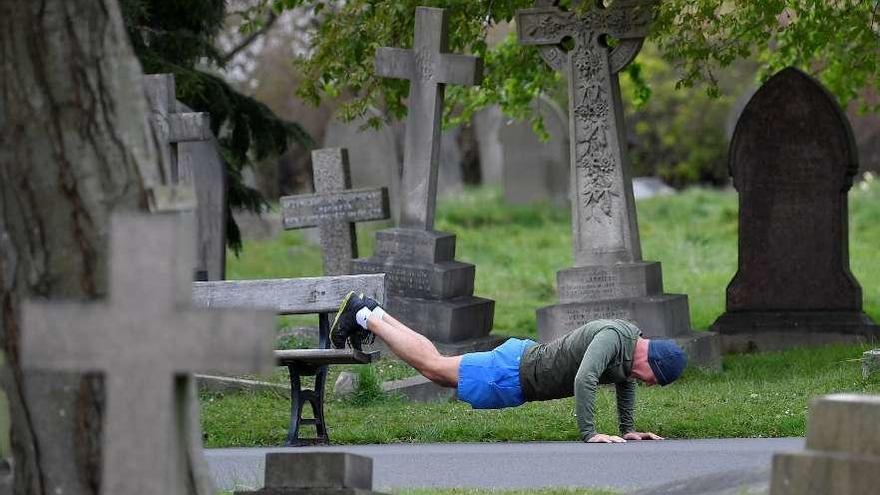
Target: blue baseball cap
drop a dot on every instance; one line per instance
(667, 360)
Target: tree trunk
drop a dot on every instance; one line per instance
(74, 146)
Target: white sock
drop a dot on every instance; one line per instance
(378, 313)
(362, 316)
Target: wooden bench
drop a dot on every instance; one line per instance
(318, 295)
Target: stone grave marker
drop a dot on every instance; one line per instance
(536, 170)
(609, 279)
(870, 362)
(327, 473)
(792, 159)
(143, 338)
(427, 289)
(843, 450)
(190, 156)
(487, 126)
(334, 208)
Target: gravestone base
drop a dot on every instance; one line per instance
(842, 474)
(448, 321)
(751, 331)
(663, 316)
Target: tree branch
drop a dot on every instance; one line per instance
(270, 21)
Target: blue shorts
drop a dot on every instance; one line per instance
(490, 380)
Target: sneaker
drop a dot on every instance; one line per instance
(345, 324)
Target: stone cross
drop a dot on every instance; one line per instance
(173, 127)
(604, 218)
(333, 209)
(142, 339)
(429, 68)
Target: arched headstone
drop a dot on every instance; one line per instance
(793, 159)
(535, 170)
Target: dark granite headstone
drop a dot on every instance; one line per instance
(843, 450)
(792, 159)
(427, 289)
(334, 208)
(609, 277)
(324, 473)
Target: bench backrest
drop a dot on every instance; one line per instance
(288, 296)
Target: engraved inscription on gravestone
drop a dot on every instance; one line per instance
(427, 289)
(142, 339)
(792, 159)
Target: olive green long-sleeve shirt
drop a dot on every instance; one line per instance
(600, 352)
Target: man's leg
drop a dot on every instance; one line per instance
(416, 350)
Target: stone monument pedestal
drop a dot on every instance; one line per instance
(843, 450)
(321, 473)
(631, 291)
(431, 292)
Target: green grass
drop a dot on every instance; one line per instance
(517, 251)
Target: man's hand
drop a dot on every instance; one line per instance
(600, 438)
(636, 435)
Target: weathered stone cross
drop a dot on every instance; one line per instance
(429, 68)
(142, 339)
(333, 209)
(172, 126)
(604, 225)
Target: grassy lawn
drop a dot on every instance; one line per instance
(517, 251)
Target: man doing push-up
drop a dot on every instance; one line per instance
(519, 371)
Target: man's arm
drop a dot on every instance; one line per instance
(626, 401)
(599, 353)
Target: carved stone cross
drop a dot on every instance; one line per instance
(334, 208)
(604, 218)
(142, 339)
(429, 68)
(172, 126)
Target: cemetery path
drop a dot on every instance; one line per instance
(526, 465)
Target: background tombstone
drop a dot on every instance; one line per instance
(143, 338)
(487, 126)
(427, 289)
(609, 279)
(535, 170)
(379, 159)
(792, 159)
(843, 450)
(327, 473)
(190, 156)
(334, 208)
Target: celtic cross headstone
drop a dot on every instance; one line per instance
(334, 208)
(427, 288)
(143, 338)
(609, 279)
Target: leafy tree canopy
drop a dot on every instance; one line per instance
(836, 40)
(177, 37)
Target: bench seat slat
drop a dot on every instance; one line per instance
(318, 357)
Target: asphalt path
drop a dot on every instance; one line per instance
(625, 467)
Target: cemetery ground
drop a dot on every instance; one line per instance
(517, 251)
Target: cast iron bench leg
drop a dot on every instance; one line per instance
(299, 397)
